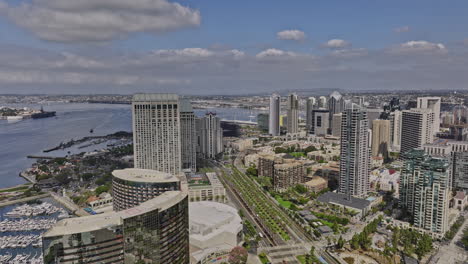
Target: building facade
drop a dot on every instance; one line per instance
(336, 105)
(336, 126)
(320, 119)
(380, 138)
(156, 132)
(416, 128)
(293, 114)
(188, 136)
(288, 175)
(210, 136)
(432, 103)
(355, 153)
(425, 190)
(310, 106)
(460, 171)
(274, 116)
(263, 121)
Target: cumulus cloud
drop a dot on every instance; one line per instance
(270, 53)
(292, 34)
(349, 53)
(402, 29)
(337, 44)
(97, 21)
(420, 46)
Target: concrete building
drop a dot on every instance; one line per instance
(336, 105)
(316, 184)
(432, 103)
(266, 165)
(263, 120)
(156, 231)
(206, 188)
(311, 105)
(131, 187)
(425, 190)
(380, 138)
(355, 153)
(336, 126)
(293, 114)
(395, 130)
(188, 136)
(274, 116)
(373, 114)
(322, 102)
(288, 174)
(215, 229)
(319, 119)
(416, 128)
(460, 171)
(156, 132)
(210, 136)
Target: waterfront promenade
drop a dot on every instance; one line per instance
(23, 200)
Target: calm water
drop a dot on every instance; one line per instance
(73, 121)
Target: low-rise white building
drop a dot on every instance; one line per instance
(206, 188)
(215, 229)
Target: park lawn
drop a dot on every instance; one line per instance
(285, 204)
(302, 259)
(297, 154)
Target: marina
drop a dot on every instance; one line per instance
(21, 228)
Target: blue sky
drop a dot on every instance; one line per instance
(212, 45)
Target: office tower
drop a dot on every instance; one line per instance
(432, 103)
(416, 128)
(188, 136)
(460, 171)
(380, 138)
(355, 152)
(293, 114)
(460, 114)
(131, 187)
(156, 132)
(336, 105)
(395, 129)
(322, 102)
(320, 119)
(311, 105)
(288, 174)
(336, 126)
(373, 114)
(263, 121)
(274, 117)
(210, 136)
(155, 231)
(425, 190)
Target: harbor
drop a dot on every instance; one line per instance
(21, 228)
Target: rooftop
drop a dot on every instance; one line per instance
(156, 97)
(185, 106)
(143, 175)
(341, 199)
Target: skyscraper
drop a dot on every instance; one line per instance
(188, 136)
(274, 117)
(395, 129)
(263, 121)
(355, 152)
(336, 105)
(293, 114)
(311, 105)
(156, 132)
(460, 170)
(432, 103)
(380, 137)
(210, 135)
(416, 128)
(322, 102)
(336, 126)
(425, 190)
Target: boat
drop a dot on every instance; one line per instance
(43, 114)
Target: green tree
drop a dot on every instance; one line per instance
(424, 246)
(252, 171)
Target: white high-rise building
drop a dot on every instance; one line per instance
(355, 152)
(156, 132)
(188, 136)
(432, 103)
(395, 120)
(336, 105)
(380, 138)
(336, 126)
(210, 136)
(274, 117)
(322, 102)
(416, 128)
(293, 114)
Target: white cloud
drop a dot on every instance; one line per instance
(274, 53)
(349, 53)
(188, 52)
(292, 34)
(402, 29)
(337, 44)
(420, 46)
(97, 21)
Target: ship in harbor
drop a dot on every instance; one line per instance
(43, 114)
